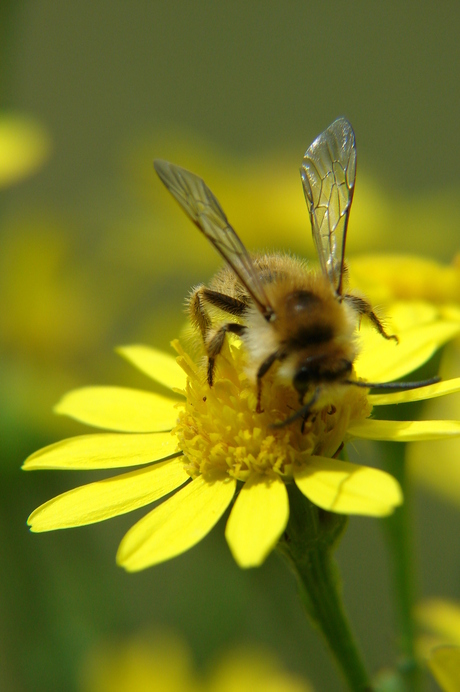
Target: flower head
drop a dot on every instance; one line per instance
(213, 445)
(162, 661)
(24, 147)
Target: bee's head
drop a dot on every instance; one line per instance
(302, 380)
(318, 369)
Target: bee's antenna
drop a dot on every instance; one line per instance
(394, 386)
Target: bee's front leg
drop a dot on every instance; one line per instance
(199, 316)
(216, 341)
(263, 368)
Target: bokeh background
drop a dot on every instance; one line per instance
(94, 254)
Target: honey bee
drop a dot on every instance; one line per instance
(301, 321)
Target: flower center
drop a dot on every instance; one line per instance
(219, 429)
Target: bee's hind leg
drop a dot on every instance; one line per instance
(365, 308)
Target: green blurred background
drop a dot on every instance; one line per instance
(94, 254)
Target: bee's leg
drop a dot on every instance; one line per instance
(306, 411)
(264, 367)
(304, 422)
(198, 315)
(215, 343)
(234, 306)
(365, 308)
(201, 319)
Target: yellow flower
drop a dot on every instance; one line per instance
(444, 663)
(24, 146)
(214, 446)
(407, 277)
(398, 277)
(262, 194)
(162, 662)
(441, 648)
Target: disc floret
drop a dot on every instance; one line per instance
(219, 430)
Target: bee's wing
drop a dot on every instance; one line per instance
(328, 176)
(203, 208)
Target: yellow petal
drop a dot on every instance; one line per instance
(445, 666)
(176, 525)
(429, 392)
(385, 361)
(106, 451)
(119, 408)
(109, 498)
(404, 430)
(406, 314)
(158, 365)
(257, 520)
(345, 488)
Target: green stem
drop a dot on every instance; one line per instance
(400, 539)
(307, 546)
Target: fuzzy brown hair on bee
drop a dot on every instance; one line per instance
(299, 320)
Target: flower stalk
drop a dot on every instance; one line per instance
(399, 535)
(307, 545)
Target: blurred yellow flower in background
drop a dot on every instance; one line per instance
(440, 619)
(389, 277)
(444, 663)
(440, 645)
(413, 279)
(143, 663)
(262, 197)
(162, 662)
(24, 146)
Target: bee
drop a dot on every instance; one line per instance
(301, 321)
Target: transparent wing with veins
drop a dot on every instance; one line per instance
(203, 208)
(328, 176)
